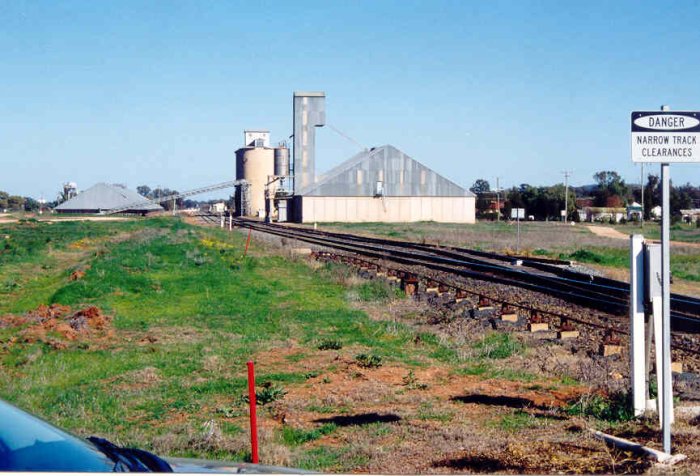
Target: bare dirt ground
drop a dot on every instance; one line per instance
(607, 232)
(7, 218)
(433, 419)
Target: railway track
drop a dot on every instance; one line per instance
(538, 275)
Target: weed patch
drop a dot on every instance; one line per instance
(368, 361)
(614, 408)
(297, 436)
(498, 346)
(516, 421)
(330, 344)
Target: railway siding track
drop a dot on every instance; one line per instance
(551, 279)
(533, 293)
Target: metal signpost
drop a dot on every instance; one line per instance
(663, 137)
(517, 213)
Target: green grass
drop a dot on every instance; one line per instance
(563, 242)
(427, 411)
(376, 290)
(652, 230)
(487, 370)
(683, 266)
(614, 408)
(516, 421)
(297, 436)
(498, 345)
(331, 459)
(192, 290)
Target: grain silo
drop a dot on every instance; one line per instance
(254, 164)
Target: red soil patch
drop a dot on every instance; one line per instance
(352, 387)
(76, 275)
(39, 325)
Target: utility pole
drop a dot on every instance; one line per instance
(567, 174)
(641, 183)
(498, 201)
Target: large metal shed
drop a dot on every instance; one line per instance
(384, 185)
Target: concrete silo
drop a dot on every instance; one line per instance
(255, 165)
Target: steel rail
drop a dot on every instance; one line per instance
(684, 306)
(460, 260)
(449, 266)
(580, 292)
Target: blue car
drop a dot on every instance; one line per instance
(28, 443)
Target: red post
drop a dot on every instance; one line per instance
(253, 416)
(247, 242)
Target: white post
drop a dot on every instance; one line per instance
(666, 293)
(637, 347)
(656, 306)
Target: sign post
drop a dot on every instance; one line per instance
(665, 137)
(517, 213)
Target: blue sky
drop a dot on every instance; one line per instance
(159, 92)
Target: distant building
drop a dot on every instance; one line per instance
(634, 211)
(384, 185)
(691, 215)
(603, 214)
(218, 207)
(256, 138)
(103, 196)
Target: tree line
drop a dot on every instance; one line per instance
(15, 203)
(608, 190)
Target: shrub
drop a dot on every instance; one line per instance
(616, 407)
(368, 360)
(411, 382)
(267, 394)
(329, 344)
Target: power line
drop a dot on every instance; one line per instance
(345, 136)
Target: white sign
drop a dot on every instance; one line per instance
(517, 213)
(666, 136)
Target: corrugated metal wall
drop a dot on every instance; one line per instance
(389, 209)
(401, 176)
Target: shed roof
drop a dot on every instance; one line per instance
(401, 176)
(104, 196)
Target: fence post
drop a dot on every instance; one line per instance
(253, 416)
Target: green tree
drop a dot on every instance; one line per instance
(15, 202)
(144, 190)
(652, 195)
(30, 205)
(680, 199)
(480, 186)
(482, 190)
(612, 190)
(3, 200)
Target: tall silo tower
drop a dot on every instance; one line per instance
(309, 113)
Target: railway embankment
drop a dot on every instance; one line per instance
(355, 374)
